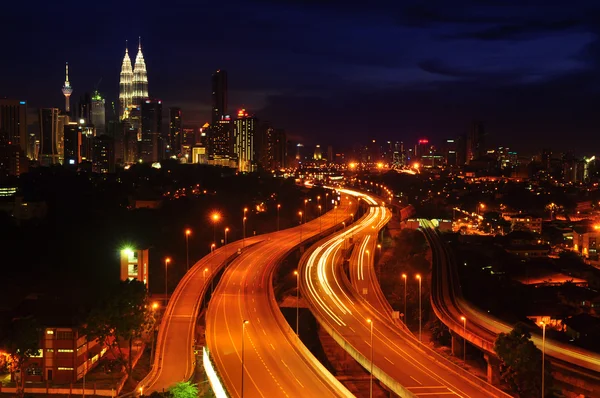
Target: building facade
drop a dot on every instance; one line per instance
(243, 147)
(98, 113)
(151, 145)
(13, 122)
(175, 137)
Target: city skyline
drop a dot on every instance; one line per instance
(413, 72)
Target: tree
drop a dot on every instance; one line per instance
(521, 362)
(21, 340)
(123, 316)
(184, 389)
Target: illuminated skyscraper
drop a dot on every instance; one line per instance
(67, 90)
(125, 86)
(151, 128)
(98, 113)
(243, 144)
(140, 78)
(219, 96)
(175, 132)
(13, 122)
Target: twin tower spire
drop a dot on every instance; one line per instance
(133, 84)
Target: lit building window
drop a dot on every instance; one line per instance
(64, 350)
(63, 368)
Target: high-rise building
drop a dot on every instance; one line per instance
(219, 96)
(49, 136)
(151, 131)
(243, 144)
(451, 153)
(476, 142)
(140, 78)
(72, 144)
(67, 90)
(175, 131)
(279, 150)
(103, 160)
(220, 142)
(13, 122)
(98, 113)
(125, 86)
(84, 108)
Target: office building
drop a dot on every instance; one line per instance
(476, 142)
(317, 155)
(151, 149)
(219, 96)
(49, 136)
(103, 161)
(243, 147)
(98, 113)
(125, 86)
(13, 122)
(67, 90)
(140, 78)
(84, 107)
(72, 134)
(450, 152)
(220, 141)
(175, 131)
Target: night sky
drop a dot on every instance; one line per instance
(331, 71)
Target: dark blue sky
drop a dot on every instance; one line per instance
(332, 71)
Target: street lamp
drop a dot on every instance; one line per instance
(297, 301)
(543, 324)
(204, 272)
(154, 308)
(305, 202)
(404, 277)
(278, 207)
(141, 391)
(215, 218)
(326, 195)
(420, 311)
(244, 323)
(212, 247)
(300, 214)
(372, 360)
(167, 261)
(244, 227)
(464, 320)
(226, 230)
(188, 232)
(379, 261)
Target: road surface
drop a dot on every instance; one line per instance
(399, 362)
(276, 363)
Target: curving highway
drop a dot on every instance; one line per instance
(244, 320)
(174, 353)
(482, 328)
(400, 362)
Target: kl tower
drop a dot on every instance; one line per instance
(67, 90)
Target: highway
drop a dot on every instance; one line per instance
(276, 362)
(482, 328)
(174, 355)
(400, 362)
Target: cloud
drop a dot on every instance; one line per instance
(517, 31)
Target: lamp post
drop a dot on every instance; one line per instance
(305, 202)
(215, 218)
(154, 308)
(319, 218)
(297, 301)
(300, 214)
(378, 261)
(167, 261)
(204, 272)
(188, 232)
(226, 230)
(244, 323)
(464, 320)
(278, 207)
(326, 206)
(420, 312)
(244, 227)
(404, 277)
(372, 360)
(543, 356)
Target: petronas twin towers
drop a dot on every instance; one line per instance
(133, 84)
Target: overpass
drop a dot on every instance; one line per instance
(482, 328)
